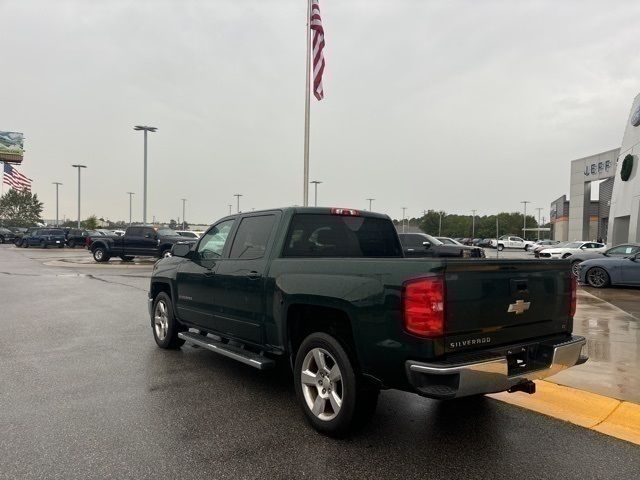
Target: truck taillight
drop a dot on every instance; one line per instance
(349, 212)
(423, 306)
(573, 292)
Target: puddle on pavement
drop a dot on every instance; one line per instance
(613, 341)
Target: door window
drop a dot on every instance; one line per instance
(251, 239)
(624, 250)
(212, 243)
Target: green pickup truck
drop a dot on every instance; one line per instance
(328, 291)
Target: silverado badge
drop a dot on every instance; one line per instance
(519, 307)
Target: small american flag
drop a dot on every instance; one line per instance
(15, 179)
(317, 47)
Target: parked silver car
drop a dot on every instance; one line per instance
(605, 271)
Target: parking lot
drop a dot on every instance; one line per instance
(85, 393)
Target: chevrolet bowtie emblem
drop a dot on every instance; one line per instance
(519, 307)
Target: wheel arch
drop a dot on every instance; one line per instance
(303, 318)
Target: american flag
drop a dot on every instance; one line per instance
(15, 179)
(317, 47)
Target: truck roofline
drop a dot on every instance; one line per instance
(307, 210)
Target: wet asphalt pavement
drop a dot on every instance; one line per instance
(85, 393)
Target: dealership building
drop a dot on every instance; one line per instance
(615, 216)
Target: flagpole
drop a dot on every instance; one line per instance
(307, 116)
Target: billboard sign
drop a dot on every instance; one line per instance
(11, 147)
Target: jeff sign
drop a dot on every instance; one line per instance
(597, 168)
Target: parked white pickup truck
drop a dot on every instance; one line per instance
(511, 241)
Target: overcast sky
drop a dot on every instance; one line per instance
(428, 104)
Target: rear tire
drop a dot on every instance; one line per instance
(164, 325)
(598, 277)
(333, 397)
(43, 244)
(166, 253)
(71, 244)
(100, 255)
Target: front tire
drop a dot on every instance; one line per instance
(71, 244)
(100, 255)
(598, 277)
(333, 397)
(166, 253)
(500, 248)
(164, 325)
(43, 244)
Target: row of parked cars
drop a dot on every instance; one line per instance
(45, 237)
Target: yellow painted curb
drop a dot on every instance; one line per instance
(590, 410)
(623, 423)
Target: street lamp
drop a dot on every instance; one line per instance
(524, 223)
(57, 184)
(184, 200)
(238, 195)
(315, 188)
(473, 225)
(131, 194)
(230, 209)
(370, 200)
(440, 223)
(144, 194)
(539, 210)
(79, 167)
(404, 209)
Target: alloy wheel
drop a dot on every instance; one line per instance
(322, 384)
(597, 277)
(161, 320)
(575, 269)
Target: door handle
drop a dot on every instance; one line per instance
(253, 275)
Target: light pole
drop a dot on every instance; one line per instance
(184, 200)
(404, 209)
(473, 225)
(524, 219)
(79, 167)
(539, 210)
(315, 191)
(57, 184)
(131, 194)
(238, 195)
(230, 209)
(440, 223)
(144, 193)
(370, 200)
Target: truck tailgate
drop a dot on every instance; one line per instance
(492, 303)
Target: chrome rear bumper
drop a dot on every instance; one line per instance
(494, 373)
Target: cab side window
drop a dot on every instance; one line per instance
(250, 242)
(212, 243)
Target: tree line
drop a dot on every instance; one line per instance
(454, 225)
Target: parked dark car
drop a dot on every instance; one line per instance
(136, 242)
(44, 237)
(6, 235)
(423, 245)
(329, 293)
(17, 241)
(485, 243)
(77, 237)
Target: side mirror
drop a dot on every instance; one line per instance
(583, 247)
(426, 244)
(181, 249)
